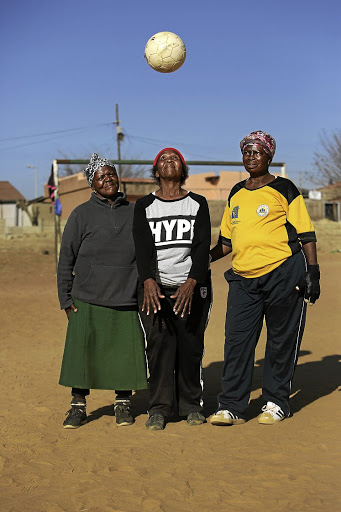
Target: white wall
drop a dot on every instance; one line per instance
(11, 214)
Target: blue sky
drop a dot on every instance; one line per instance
(250, 65)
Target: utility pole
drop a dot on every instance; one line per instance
(35, 179)
(119, 139)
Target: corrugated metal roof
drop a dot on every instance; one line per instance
(8, 193)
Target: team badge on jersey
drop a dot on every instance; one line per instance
(263, 210)
(203, 292)
(235, 212)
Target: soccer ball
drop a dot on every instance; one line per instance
(165, 52)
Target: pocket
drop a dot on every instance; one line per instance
(110, 285)
(80, 281)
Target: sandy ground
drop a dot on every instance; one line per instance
(292, 466)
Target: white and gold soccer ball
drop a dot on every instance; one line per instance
(165, 52)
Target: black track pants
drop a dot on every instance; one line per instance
(175, 349)
(274, 297)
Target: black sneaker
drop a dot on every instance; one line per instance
(122, 413)
(155, 422)
(195, 418)
(76, 416)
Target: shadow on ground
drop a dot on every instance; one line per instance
(312, 380)
(139, 406)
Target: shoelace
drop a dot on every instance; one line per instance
(228, 414)
(76, 408)
(124, 408)
(157, 417)
(273, 409)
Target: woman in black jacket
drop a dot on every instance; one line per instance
(97, 281)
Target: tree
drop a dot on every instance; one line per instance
(69, 169)
(32, 213)
(328, 160)
(133, 171)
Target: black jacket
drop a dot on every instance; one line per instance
(97, 257)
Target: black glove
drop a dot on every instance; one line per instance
(310, 284)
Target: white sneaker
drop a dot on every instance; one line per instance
(271, 414)
(225, 418)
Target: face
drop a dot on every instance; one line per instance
(105, 182)
(256, 161)
(169, 166)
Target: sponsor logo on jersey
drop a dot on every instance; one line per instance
(263, 210)
(235, 212)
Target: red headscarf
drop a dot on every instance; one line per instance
(168, 149)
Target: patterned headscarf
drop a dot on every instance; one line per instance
(168, 149)
(260, 138)
(94, 165)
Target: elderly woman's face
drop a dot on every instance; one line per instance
(105, 182)
(169, 166)
(256, 161)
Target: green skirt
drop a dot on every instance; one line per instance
(104, 349)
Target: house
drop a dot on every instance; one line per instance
(325, 202)
(331, 197)
(9, 211)
(74, 190)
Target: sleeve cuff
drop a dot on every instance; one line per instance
(66, 304)
(308, 236)
(224, 241)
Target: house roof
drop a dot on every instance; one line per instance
(332, 186)
(8, 193)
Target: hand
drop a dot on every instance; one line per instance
(152, 294)
(310, 284)
(68, 310)
(184, 296)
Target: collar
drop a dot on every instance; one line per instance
(119, 201)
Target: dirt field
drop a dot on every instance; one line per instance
(292, 466)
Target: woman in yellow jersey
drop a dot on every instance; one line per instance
(274, 275)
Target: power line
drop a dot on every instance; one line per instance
(131, 138)
(31, 143)
(156, 142)
(54, 133)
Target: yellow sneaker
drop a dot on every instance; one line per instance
(271, 414)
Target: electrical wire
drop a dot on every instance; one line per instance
(131, 138)
(156, 142)
(54, 133)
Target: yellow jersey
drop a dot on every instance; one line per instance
(264, 226)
